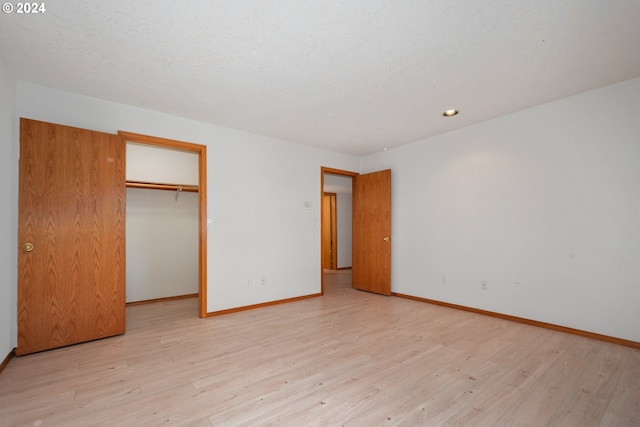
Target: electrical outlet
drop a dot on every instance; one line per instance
(263, 281)
(484, 286)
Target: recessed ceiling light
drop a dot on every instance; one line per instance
(450, 113)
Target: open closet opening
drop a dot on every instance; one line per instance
(165, 220)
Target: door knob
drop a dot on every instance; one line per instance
(386, 239)
(27, 247)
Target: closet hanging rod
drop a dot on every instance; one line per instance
(155, 186)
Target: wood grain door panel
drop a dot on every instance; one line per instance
(71, 286)
(372, 232)
(329, 244)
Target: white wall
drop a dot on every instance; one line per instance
(257, 188)
(344, 214)
(544, 204)
(161, 165)
(162, 244)
(8, 212)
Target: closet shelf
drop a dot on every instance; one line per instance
(157, 186)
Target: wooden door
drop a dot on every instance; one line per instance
(372, 232)
(329, 232)
(71, 266)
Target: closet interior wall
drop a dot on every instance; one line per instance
(162, 222)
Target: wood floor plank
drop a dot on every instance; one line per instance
(348, 358)
(623, 409)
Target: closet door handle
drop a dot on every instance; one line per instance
(27, 247)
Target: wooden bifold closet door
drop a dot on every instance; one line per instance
(71, 229)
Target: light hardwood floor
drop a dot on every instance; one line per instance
(348, 358)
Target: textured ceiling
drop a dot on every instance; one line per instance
(352, 76)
